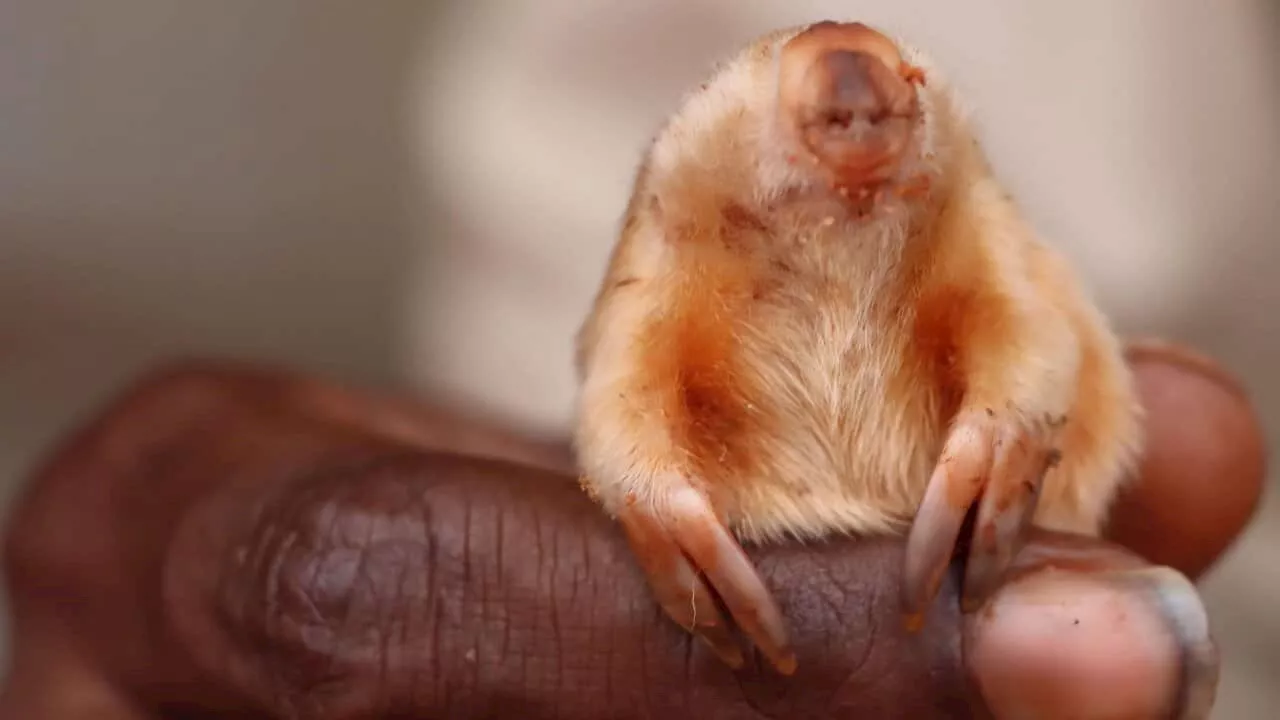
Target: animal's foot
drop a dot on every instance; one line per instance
(686, 553)
(1002, 459)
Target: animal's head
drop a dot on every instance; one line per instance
(829, 106)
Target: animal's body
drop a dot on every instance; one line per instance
(824, 314)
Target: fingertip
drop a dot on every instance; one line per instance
(1204, 464)
(1145, 352)
(1057, 644)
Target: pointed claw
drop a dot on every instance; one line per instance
(687, 537)
(683, 596)
(1004, 515)
(719, 638)
(953, 488)
(732, 575)
(1091, 638)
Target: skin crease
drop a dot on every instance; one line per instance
(250, 542)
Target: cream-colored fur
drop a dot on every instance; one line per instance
(837, 416)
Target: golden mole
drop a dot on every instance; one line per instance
(824, 315)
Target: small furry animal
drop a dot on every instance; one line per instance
(824, 314)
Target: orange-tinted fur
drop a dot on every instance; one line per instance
(801, 362)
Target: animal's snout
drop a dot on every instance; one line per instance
(849, 98)
(850, 88)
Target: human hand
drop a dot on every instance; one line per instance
(226, 540)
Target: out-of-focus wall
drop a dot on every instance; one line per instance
(425, 192)
(231, 177)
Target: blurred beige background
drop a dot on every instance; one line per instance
(424, 193)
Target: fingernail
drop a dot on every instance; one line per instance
(1122, 644)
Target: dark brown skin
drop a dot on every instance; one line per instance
(234, 541)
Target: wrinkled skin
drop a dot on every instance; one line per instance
(234, 541)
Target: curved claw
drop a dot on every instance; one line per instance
(1004, 513)
(1000, 459)
(684, 536)
(683, 596)
(953, 488)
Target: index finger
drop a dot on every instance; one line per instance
(1204, 464)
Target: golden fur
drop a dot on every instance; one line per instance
(799, 362)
